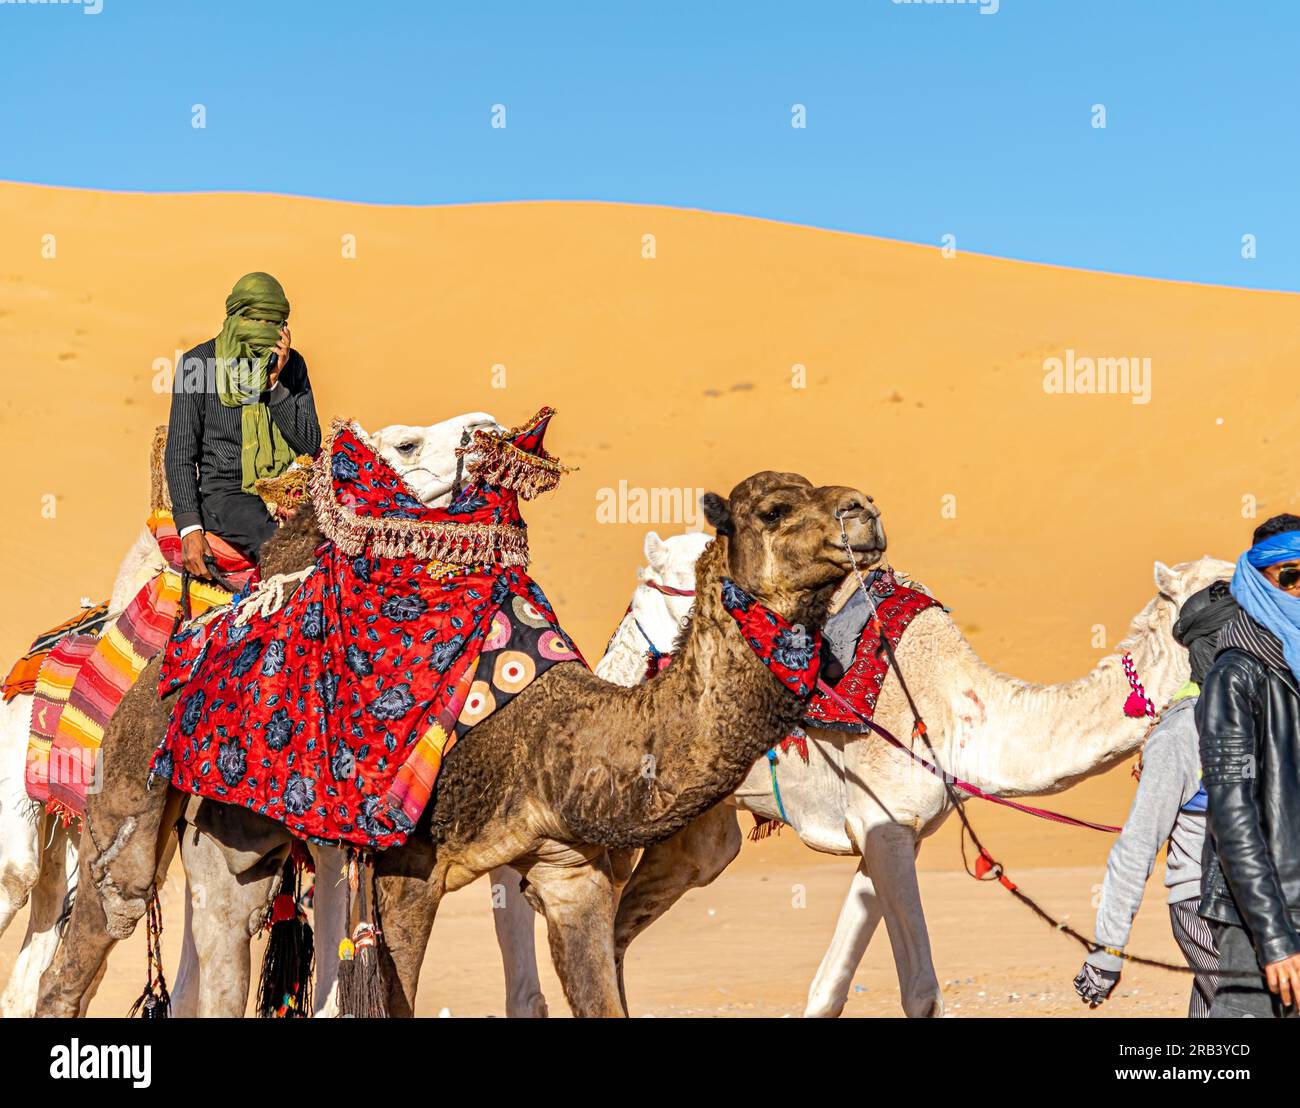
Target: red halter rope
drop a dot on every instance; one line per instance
(667, 590)
(965, 786)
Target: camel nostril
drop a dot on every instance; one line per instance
(852, 506)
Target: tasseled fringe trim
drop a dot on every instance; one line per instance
(764, 828)
(500, 462)
(459, 543)
(64, 814)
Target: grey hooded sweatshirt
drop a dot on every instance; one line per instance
(1163, 810)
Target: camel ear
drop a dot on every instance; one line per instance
(718, 512)
(1166, 579)
(654, 549)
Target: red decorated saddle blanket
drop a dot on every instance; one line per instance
(896, 605)
(332, 715)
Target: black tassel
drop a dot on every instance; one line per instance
(284, 991)
(155, 1003)
(362, 992)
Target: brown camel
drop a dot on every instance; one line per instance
(570, 768)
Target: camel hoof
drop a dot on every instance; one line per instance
(823, 1011)
(931, 1009)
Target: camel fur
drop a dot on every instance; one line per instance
(32, 845)
(859, 796)
(570, 768)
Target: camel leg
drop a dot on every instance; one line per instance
(21, 827)
(122, 859)
(329, 924)
(513, 918)
(889, 855)
(579, 903)
(228, 912)
(690, 859)
(48, 898)
(21, 821)
(859, 918)
(79, 961)
(407, 892)
(186, 985)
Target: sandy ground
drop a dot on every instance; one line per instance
(740, 345)
(742, 948)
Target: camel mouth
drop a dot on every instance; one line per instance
(865, 545)
(865, 554)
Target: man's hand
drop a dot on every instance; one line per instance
(1284, 979)
(1094, 985)
(194, 548)
(281, 355)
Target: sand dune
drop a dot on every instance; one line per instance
(923, 383)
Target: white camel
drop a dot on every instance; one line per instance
(38, 858)
(858, 795)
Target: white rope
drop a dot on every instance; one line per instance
(268, 597)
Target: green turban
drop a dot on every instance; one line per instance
(256, 309)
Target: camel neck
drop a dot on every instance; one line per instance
(709, 716)
(1018, 738)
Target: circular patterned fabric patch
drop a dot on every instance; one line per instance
(514, 670)
(479, 704)
(554, 647)
(526, 612)
(499, 633)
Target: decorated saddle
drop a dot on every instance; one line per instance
(89, 666)
(859, 661)
(333, 713)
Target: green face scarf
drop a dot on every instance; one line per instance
(256, 309)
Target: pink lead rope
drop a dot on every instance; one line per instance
(965, 786)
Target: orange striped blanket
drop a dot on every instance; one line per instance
(84, 677)
(22, 677)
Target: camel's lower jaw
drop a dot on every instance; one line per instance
(862, 558)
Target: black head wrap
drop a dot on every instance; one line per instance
(1198, 624)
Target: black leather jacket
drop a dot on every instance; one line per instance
(1248, 717)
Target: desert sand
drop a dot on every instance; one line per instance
(739, 345)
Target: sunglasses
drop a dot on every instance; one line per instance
(1288, 576)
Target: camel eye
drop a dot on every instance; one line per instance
(772, 516)
(405, 447)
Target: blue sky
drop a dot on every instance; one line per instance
(922, 119)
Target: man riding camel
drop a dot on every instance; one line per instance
(242, 409)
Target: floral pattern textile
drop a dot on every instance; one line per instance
(332, 714)
(896, 607)
(793, 655)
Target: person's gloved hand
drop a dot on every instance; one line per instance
(1095, 985)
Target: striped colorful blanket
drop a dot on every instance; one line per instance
(22, 677)
(84, 678)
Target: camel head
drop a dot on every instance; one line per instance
(671, 561)
(1176, 583)
(783, 541)
(1153, 627)
(425, 457)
